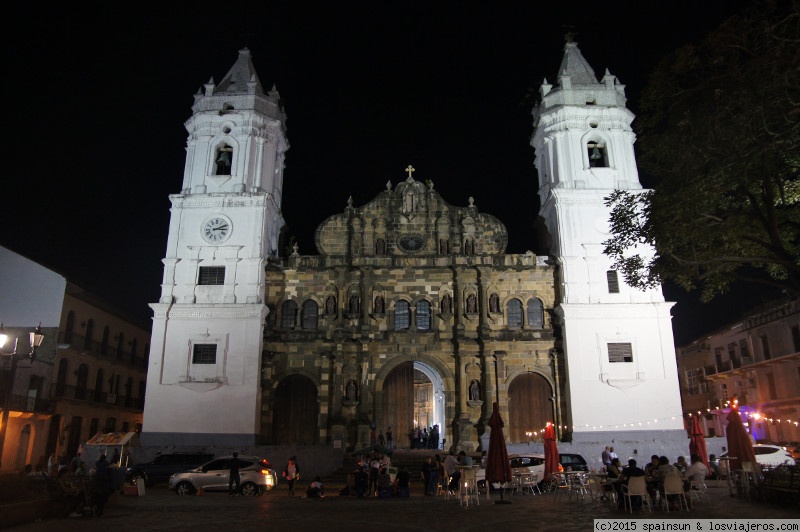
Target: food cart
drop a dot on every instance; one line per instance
(116, 446)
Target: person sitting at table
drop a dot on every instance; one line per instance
(697, 472)
(713, 466)
(632, 470)
(450, 470)
(652, 467)
(681, 464)
(615, 469)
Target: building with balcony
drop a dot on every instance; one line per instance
(100, 371)
(30, 294)
(757, 360)
(88, 375)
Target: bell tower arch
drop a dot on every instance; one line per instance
(203, 383)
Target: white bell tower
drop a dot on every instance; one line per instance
(620, 358)
(203, 381)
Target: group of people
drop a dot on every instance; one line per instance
(655, 473)
(425, 438)
(436, 470)
(372, 478)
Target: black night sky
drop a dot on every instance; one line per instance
(96, 100)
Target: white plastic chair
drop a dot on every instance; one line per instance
(698, 488)
(636, 487)
(673, 485)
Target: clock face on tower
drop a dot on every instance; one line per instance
(216, 229)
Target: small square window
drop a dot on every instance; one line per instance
(204, 354)
(211, 275)
(620, 353)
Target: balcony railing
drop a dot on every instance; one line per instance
(80, 342)
(23, 403)
(63, 391)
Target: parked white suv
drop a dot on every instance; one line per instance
(257, 476)
(767, 454)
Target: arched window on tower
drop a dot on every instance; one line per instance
(423, 315)
(598, 155)
(288, 314)
(514, 314)
(401, 315)
(310, 314)
(613, 281)
(535, 313)
(223, 160)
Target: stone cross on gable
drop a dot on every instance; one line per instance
(410, 169)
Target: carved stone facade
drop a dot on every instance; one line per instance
(391, 286)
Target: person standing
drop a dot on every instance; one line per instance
(102, 485)
(291, 473)
(403, 481)
(606, 457)
(389, 441)
(233, 476)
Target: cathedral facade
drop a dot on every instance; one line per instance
(411, 314)
(408, 288)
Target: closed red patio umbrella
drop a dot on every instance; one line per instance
(697, 440)
(498, 468)
(739, 445)
(550, 451)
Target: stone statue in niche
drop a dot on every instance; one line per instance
(474, 390)
(380, 247)
(472, 304)
(355, 304)
(377, 307)
(330, 306)
(447, 304)
(494, 303)
(351, 393)
(408, 201)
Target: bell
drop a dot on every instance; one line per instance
(225, 158)
(596, 154)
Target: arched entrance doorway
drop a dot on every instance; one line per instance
(529, 405)
(296, 412)
(413, 396)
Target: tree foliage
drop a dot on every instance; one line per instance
(720, 127)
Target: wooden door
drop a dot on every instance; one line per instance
(529, 406)
(296, 412)
(398, 404)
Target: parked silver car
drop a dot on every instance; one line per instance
(257, 476)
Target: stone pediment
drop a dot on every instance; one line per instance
(411, 220)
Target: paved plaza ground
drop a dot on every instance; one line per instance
(161, 509)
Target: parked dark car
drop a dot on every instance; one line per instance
(573, 462)
(164, 466)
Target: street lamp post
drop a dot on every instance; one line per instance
(36, 338)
